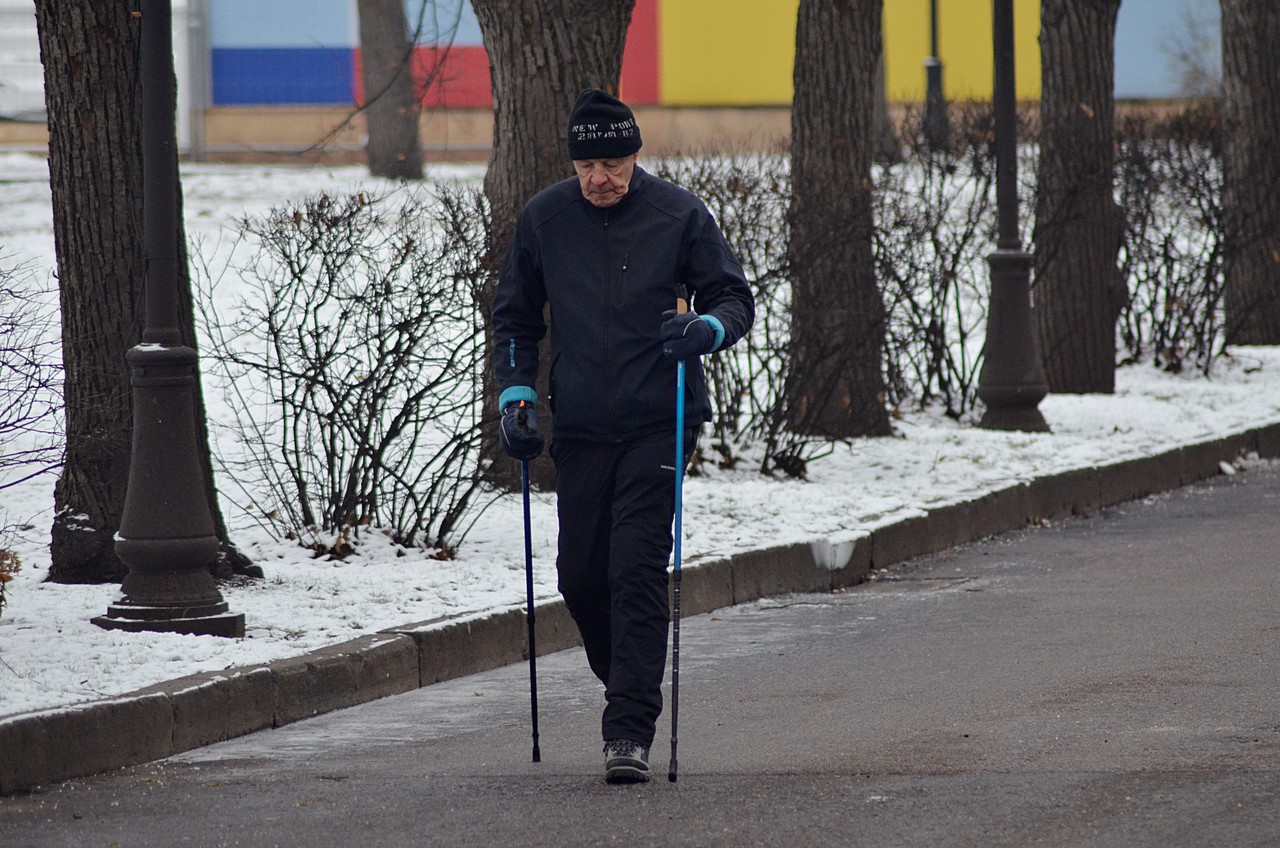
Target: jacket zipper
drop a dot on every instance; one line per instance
(610, 406)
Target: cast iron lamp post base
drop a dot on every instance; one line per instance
(191, 621)
(167, 537)
(1012, 382)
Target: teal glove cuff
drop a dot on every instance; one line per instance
(718, 327)
(515, 394)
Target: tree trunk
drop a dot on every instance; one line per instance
(1078, 291)
(93, 98)
(1251, 170)
(542, 53)
(390, 95)
(836, 381)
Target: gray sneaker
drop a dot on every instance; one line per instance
(625, 761)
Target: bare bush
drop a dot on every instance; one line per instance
(748, 195)
(1169, 182)
(10, 565)
(935, 221)
(935, 217)
(353, 365)
(30, 398)
(30, 380)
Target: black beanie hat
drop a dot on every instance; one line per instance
(601, 127)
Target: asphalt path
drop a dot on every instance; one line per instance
(1109, 681)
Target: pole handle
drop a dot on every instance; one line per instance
(682, 299)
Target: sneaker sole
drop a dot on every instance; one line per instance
(626, 774)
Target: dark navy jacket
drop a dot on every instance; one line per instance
(609, 274)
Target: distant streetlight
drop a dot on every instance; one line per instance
(167, 537)
(1012, 382)
(937, 129)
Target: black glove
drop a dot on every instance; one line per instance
(686, 335)
(518, 432)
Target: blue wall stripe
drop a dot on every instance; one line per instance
(278, 76)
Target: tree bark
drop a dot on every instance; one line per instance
(836, 382)
(1251, 170)
(391, 97)
(542, 53)
(93, 98)
(1078, 290)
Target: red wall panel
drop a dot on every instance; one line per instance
(456, 77)
(639, 83)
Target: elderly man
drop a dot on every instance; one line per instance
(608, 249)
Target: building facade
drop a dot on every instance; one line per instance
(262, 77)
(679, 52)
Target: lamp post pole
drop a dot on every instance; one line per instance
(937, 129)
(167, 536)
(1012, 382)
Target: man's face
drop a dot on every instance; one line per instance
(605, 181)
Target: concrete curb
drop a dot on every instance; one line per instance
(190, 712)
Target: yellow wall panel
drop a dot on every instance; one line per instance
(741, 52)
(964, 46)
(727, 52)
(906, 44)
(1026, 40)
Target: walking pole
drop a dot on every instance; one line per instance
(682, 306)
(529, 615)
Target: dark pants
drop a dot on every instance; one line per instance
(616, 503)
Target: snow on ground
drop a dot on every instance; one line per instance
(51, 655)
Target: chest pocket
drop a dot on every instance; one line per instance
(647, 278)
